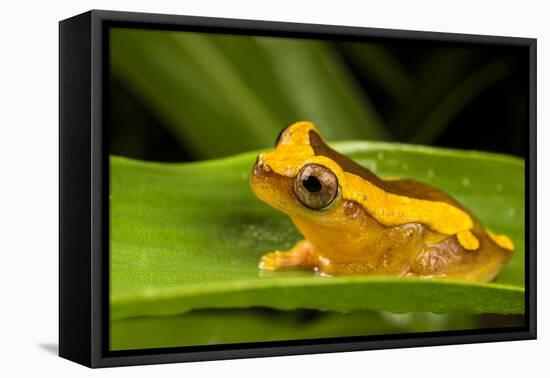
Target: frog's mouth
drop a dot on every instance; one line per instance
(272, 188)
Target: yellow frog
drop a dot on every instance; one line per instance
(355, 223)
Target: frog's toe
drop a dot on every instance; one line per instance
(271, 261)
(299, 256)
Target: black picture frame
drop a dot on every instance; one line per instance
(84, 190)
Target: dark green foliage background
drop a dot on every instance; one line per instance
(179, 96)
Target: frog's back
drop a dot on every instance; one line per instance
(419, 190)
(402, 187)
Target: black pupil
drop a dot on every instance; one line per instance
(312, 184)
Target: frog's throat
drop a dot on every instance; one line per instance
(294, 151)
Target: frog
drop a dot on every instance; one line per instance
(356, 223)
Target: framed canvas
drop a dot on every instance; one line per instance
(235, 188)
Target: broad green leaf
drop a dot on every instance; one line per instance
(189, 236)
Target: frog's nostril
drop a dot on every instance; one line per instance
(261, 168)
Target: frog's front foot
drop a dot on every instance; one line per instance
(299, 256)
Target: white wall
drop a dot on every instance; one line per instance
(28, 207)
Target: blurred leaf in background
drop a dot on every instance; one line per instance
(208, 89)
(427, 97)
(229, 326)
(211, 89)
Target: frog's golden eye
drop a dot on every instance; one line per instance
(315, 186)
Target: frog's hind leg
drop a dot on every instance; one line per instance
(300, 256)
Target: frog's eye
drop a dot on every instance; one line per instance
(315, 186)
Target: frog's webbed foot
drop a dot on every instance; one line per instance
(299, 256)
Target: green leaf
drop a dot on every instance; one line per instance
(208, 88)
(211, 327)
(189, 236)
